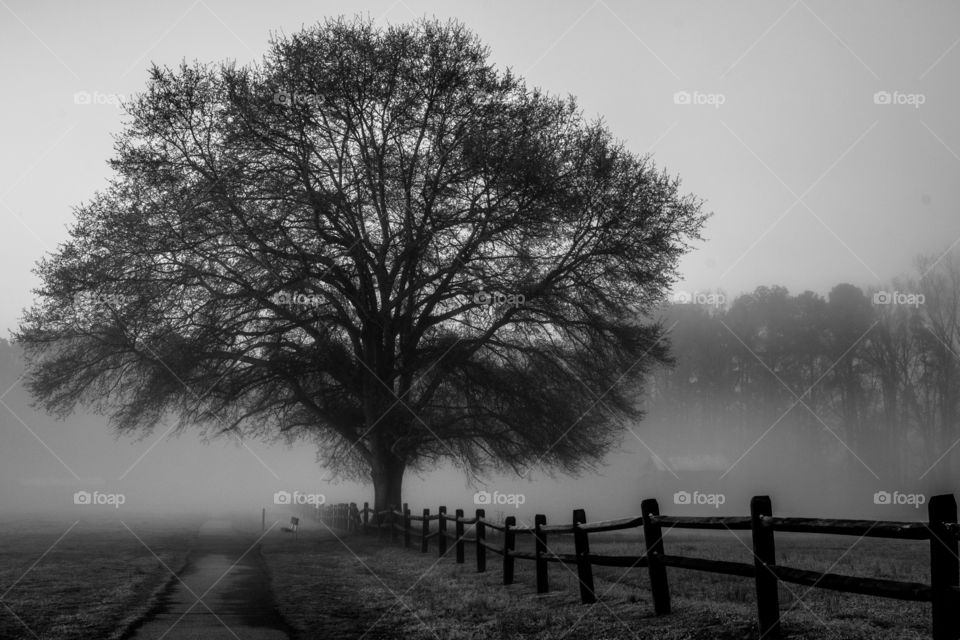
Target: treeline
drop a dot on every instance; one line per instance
(870, 374)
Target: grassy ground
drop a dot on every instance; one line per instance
(92, 583)
(332, 588)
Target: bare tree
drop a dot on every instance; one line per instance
(376, 241)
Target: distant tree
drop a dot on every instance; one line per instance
(849, 318)
(376, 241)
(939, 338)
(892, 353)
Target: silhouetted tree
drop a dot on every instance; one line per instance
(375, 240)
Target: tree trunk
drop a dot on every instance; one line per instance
(387, 474)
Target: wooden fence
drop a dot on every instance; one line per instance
(941, 529)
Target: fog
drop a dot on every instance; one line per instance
(811, 181)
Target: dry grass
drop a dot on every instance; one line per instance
(331, 588)
(94, 583)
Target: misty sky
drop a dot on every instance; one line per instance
(825, 142)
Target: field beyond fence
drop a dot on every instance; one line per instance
(455, 532)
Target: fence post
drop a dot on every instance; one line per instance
(424, 531)
(653, 538)
(351, 523)
(406, 525)
(366, 516)
(481, 550)
(458, 528)
(581, 544)
(442, 533)
(944, 567)
(394, 520)
(540, 548)
(764, 555)
(508, 541)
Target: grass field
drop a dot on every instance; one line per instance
(85, 579)
(340, 589)
(94, 579)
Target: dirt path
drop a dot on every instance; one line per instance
(224, 592)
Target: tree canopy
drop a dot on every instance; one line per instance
(374, 240)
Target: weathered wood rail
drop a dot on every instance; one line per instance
(940, 529)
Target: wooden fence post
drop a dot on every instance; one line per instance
(458, 528)
(442, 533)
(540, 550)
(581, 544)
(394, 521)
(944, 568)
(653, 538)
(764, 555)
(366, 516)
(351, 522)
(406, 525)
(508, 542)
(424, 531)
(481, 550)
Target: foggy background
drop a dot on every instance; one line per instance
(813, 182)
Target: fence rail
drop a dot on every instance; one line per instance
(941, 530)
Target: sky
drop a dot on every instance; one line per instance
(822, 136)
